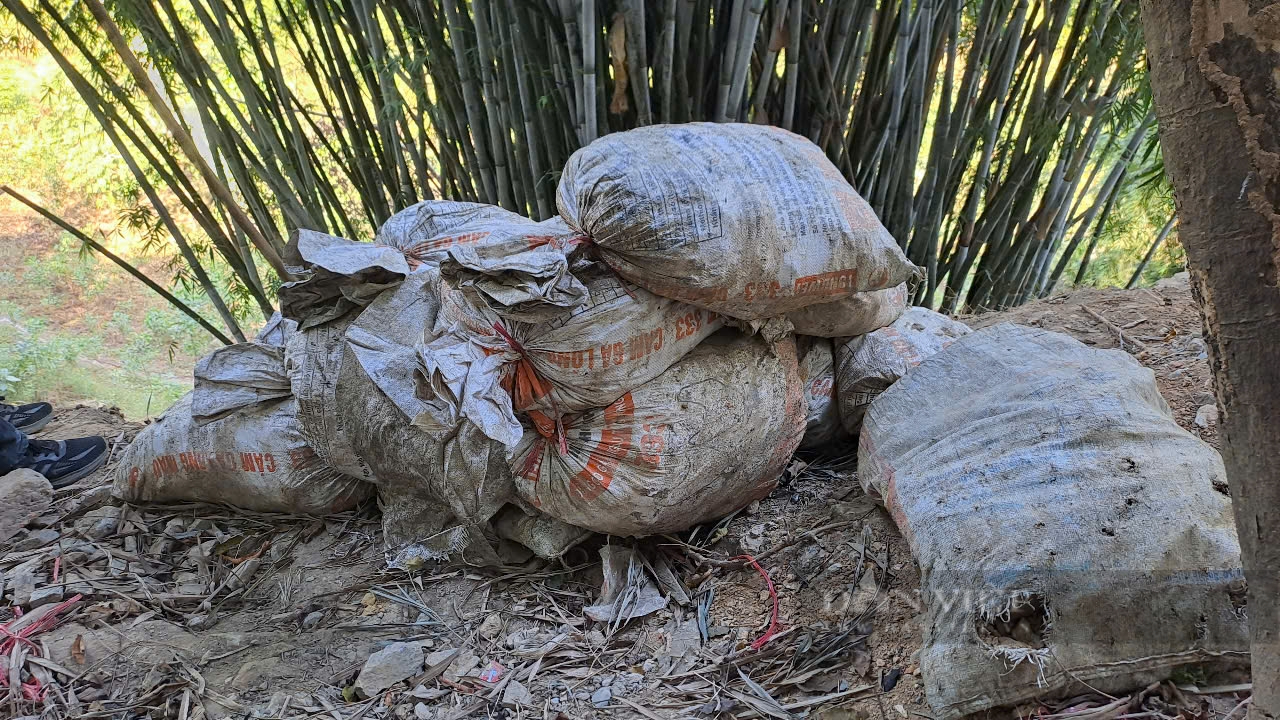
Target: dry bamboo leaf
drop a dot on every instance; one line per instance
(77, 650)
(766, 702)
(618, 58)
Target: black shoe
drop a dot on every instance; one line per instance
(27, 418)
(63, 462)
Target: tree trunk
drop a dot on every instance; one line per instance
(1213, 71)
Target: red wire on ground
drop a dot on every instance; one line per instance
(8, 640)
(773, 593)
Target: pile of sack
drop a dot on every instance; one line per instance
(710, 299)
(648, 360)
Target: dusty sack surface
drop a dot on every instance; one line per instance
(818, 373)
(672, 452)
(868, 364)
(1067, 530)
(749, 221)
(858, 314)
(255, 457)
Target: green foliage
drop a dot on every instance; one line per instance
(39, 362)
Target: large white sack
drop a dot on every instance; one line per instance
(1048, 495)
(701, 440)
(254, 457)
(236, 439)
(858, 314)
(750, 221)
(868, 364)
(818, 374)
(495, 356)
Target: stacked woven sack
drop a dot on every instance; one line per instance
(628, 367)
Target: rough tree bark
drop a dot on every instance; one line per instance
(1215, 71)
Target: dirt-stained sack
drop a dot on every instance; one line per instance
(546, 536)
(750, 221)
(425, 232)
(702, 439)
(438, 486)
(493, 357)
(818, 373)
(254, 457)
(867, 365)
(858, 314)
(335, 275)
(1071, 536)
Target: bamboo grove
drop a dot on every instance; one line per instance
(993, 137)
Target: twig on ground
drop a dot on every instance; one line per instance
(1119, 333)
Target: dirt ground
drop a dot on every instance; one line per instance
(193, 612)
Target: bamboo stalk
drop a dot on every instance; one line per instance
(794, 30)
(666, 67)
(471, 99)
(484, 52)
(746, 40)
(765, 79)
(184, 139)
(637, 60)
(728, 61)
(1151, 251)
(590, 34)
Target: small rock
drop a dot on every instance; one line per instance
(45, 521)
(649, 666)
(24, 495)
(202, 621)
(423, 711)
(596, 638)
(389, 666)
(606, 681)
(100, 523)
(312, 620)
(602, 697)
(491, 627)
(45, 596)
(279, 701)
(516, 695)
(131, 544)
(438, 656)
(464, 662)
(889, 680)
(1207, 416)
(162, 545)
(754, 507)
(23, 582)
(519, 638)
